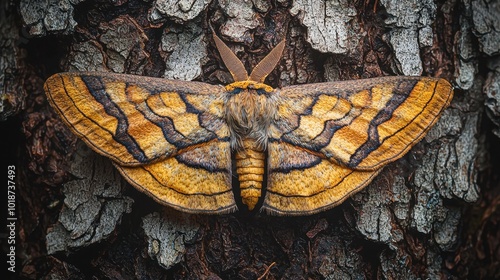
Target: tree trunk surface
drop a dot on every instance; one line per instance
(432, 214)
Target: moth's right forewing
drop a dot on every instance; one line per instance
(362, 124)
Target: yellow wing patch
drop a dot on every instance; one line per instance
(301, 183)
(197, 181)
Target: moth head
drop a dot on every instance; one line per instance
(237, 70)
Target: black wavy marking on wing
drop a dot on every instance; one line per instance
(97, 89)
(287, 164)
(167, 125)
(206, 120)
(200, 160)
(329, 127)
(289, 125)
(327, 188)
(400, 93)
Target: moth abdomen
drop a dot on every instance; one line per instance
(250, 169)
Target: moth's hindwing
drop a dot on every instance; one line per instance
(197, 180)
(152, 128)
(301, 182)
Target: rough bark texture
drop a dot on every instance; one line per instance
(432, 214)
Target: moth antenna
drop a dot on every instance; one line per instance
(267, 64)
(232, 62)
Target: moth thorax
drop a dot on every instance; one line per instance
(250, 170)
(249, 114)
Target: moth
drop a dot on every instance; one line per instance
(205, 148)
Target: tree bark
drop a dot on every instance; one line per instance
(431, 214)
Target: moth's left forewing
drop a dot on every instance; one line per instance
(136, 120)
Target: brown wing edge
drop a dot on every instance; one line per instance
(51, 88)
(442, 83)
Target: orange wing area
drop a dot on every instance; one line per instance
(196, 181)
(362, 124)
(167, 138)
(136, 120)
(302, 183)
